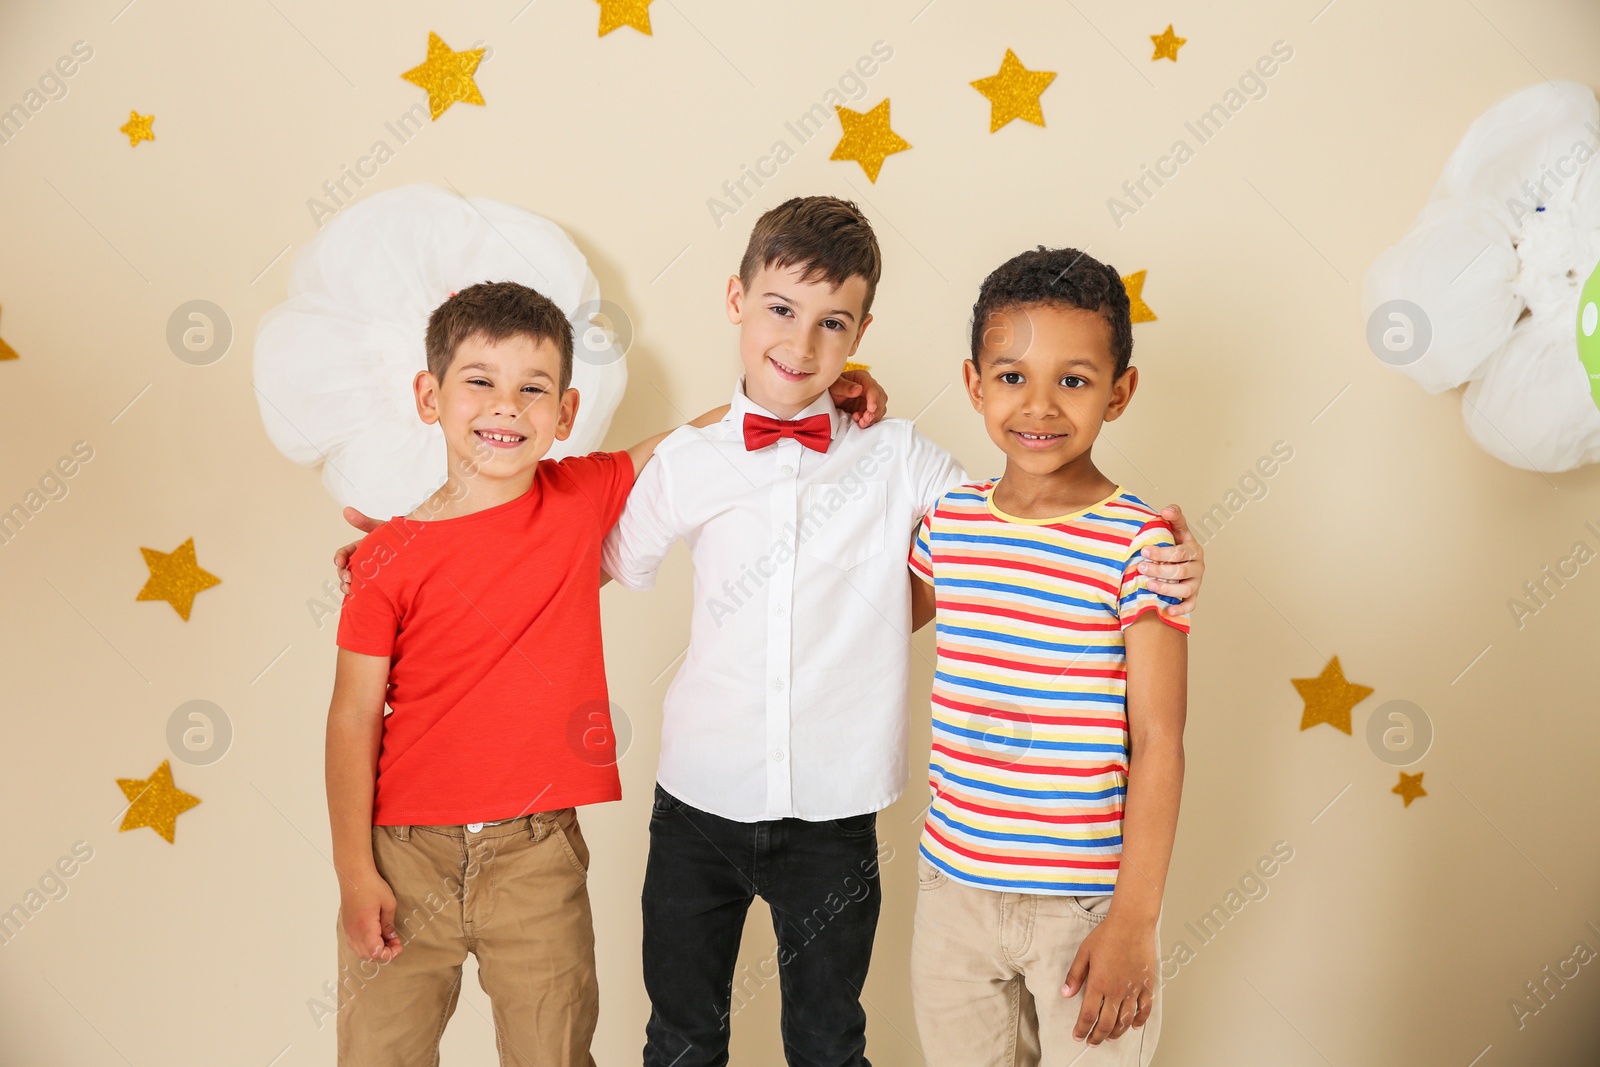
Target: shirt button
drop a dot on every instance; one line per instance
(786, 469)
(474, 827)
(777, 685)
(777, 756)
(777, 611)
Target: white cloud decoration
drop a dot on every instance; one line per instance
(1496, 283)
(334, 362)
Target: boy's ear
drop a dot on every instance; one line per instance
(973, 379)
(1122, 392)
(425, 387)
(859, 334)
(568, 413)
(735, 299)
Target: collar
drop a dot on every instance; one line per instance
(822, 405)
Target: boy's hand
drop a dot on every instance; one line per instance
(858, 394)
(1175, 570)
(366, 908)
(341, 558)
(1116, 969)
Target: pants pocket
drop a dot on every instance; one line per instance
(1090, 908)
(854, 825)
(566, 831)
(665, 803)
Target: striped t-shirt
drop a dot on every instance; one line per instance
(1030, 761)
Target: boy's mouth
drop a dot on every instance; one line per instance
(1038, 441)
(788, 373)
(500, 438)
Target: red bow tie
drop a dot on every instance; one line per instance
(762, 430)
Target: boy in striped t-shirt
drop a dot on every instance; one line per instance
(1058, 700)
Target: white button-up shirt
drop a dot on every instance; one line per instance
(791, 701)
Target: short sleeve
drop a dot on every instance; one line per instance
(921, 561)
(649, 524)
(368, 619)
(933, 471)
(606, 478)
(1136, 596)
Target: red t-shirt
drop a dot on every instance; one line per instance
(497, 683)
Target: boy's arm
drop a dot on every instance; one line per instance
(355, 728)
(1176, 570)
(640, 455)
(1116, 967)
(919, 567)
(648, 527)
(641, 452)
(923, 604)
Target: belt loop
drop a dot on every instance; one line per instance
(402, 833)
(537, 830)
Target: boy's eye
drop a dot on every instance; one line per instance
(477, 381)
(534, 389)
(1011, 377)
(1072, 381)
(833, 324)
(780, 309)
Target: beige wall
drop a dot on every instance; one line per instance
(1394, 936)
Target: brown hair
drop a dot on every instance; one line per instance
(496, 311)
(830, 237)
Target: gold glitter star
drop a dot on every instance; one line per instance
(175, 577)
(1329, 697)
(1138, 309)
(7, 352)
(1167, 44)
(155, 802)
(138, 128)
(447, 76)
(1410, 787)
(867, 138)
(614, 14)
(1014, 92)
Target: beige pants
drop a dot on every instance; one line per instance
(986, 976)
(513, 894)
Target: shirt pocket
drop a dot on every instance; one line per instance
(841, 523)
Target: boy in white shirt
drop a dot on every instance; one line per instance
(784, 732)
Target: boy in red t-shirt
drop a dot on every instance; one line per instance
(476, 619)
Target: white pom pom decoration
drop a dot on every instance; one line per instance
(334, 362)
(1485, 287)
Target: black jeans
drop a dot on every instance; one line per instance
(820, 880)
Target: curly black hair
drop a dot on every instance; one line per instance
(1064, 277)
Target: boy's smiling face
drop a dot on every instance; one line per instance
(1046, 381)
(499, 404)
(795, 336)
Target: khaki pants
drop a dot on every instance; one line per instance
(986, 975)
(515, 895)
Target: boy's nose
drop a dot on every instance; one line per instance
(509, 405)
(1040, 403)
